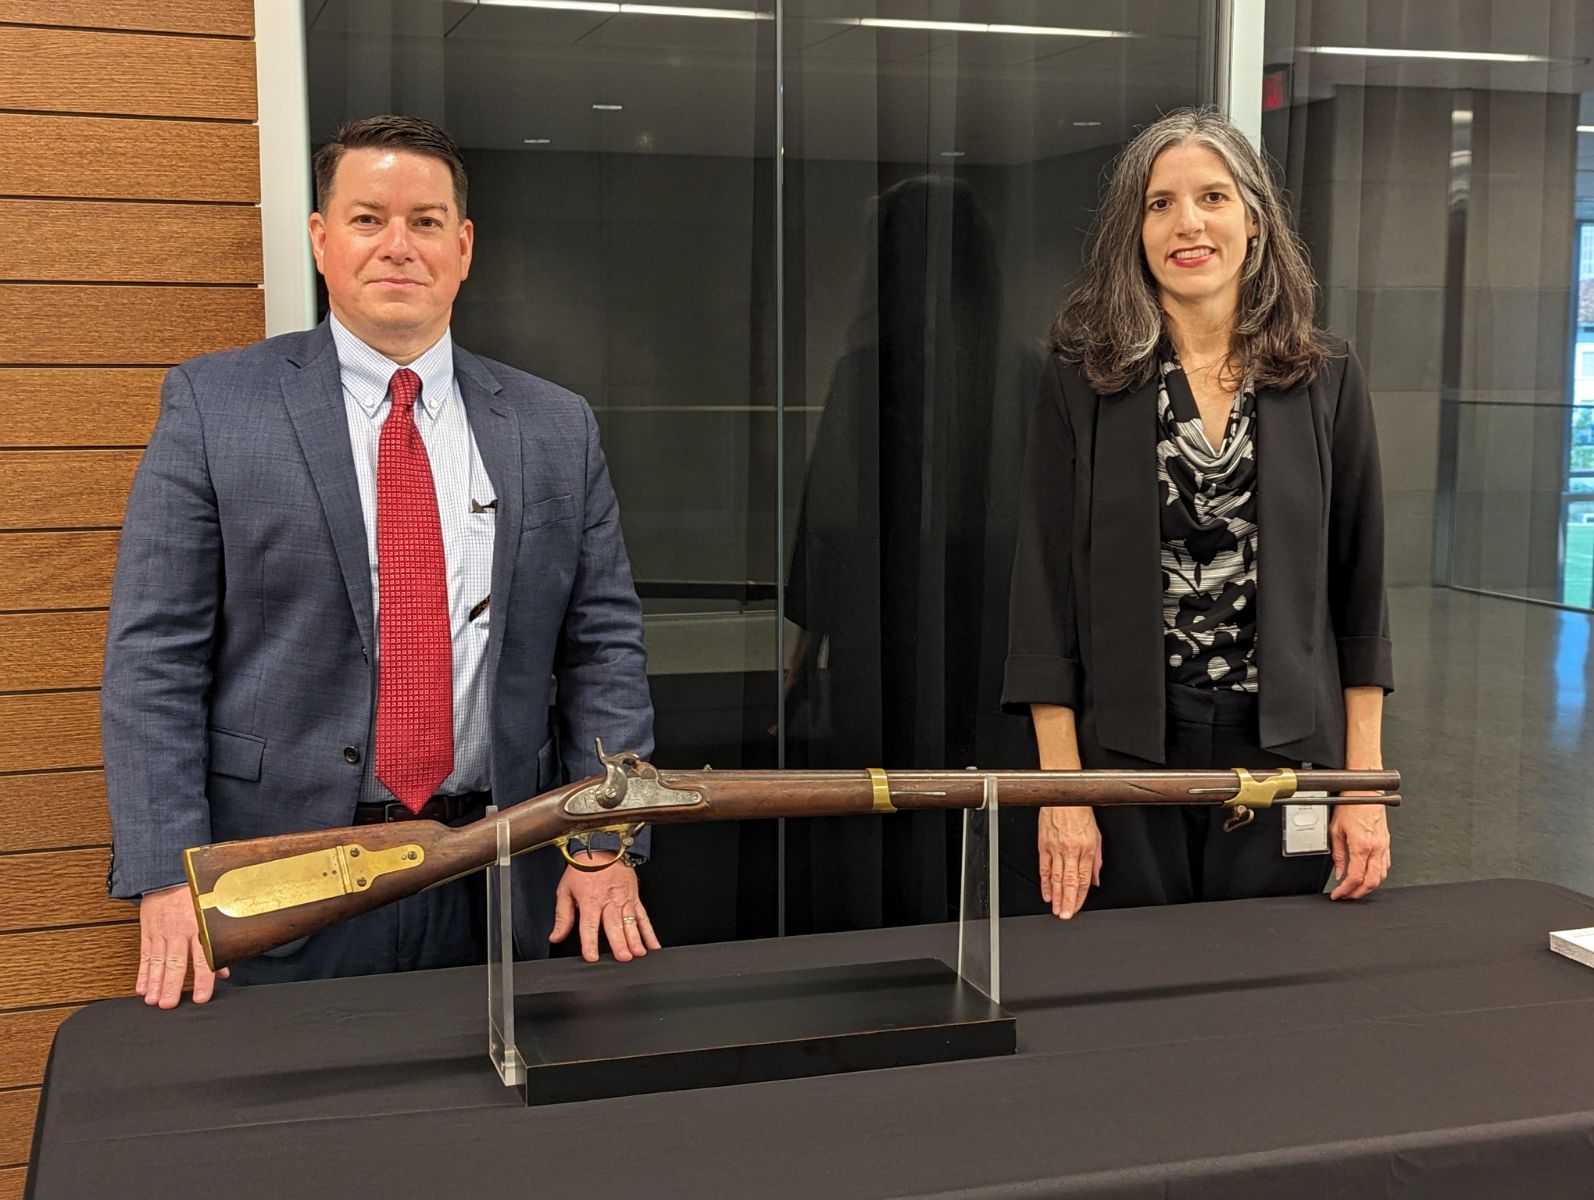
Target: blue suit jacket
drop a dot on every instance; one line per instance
(238, 674)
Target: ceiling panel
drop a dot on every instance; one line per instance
(484, 23)
(386, 16)
(817, 42)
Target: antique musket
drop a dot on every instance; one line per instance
(252, 896)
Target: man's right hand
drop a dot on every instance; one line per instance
(168, 939)
(1070, 854)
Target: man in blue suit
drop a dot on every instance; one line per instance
(355, 561)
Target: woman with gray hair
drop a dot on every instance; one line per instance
(1199, 578)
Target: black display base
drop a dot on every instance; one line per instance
(628, 1039)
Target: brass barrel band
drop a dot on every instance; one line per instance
(1261, 793)
(882, 792)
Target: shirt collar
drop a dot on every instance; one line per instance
(366, 373)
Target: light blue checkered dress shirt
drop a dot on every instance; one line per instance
(464, 497)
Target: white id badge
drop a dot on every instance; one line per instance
(1306, 827)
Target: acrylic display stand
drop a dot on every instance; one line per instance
(619, 1037)
(980, 899)
(501, 1047)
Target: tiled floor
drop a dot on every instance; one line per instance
(1492, 731)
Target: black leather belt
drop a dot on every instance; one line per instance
(438, 808)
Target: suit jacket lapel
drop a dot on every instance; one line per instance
(1126, 669)
(314, 398)
(1289, 508)
(496, 428)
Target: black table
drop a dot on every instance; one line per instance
(1424, 1042)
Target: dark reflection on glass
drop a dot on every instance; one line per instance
(917, 342)
(905, 516)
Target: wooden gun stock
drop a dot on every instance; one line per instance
(252, 896)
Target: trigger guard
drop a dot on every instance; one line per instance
(628, 837)
(585, 868)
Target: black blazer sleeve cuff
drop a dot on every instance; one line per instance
(1040, 679)
(1366, 662)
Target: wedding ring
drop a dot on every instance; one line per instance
(628, 920)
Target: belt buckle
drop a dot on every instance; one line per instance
(395, 811)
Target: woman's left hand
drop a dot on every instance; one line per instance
(1359, 835)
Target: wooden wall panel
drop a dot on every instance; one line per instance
(53, 810)
(17, 1111)
(49, 731)
(56, 889)
(25, 1043)
(129, 74)
(229, 18)
(65, 323)
(56, 570)
(68, 966)
(51, 650)
(114, 159)
(65, 489)
(68, 323)
(76, 241)
(80, 406)
(129, 180)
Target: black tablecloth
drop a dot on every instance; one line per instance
(1423, 1042)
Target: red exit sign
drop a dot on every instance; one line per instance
(1276, 88)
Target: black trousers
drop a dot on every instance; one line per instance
(1178, 854)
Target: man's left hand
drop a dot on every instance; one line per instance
(1359, 835)
(607, 898)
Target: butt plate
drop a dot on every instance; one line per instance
(302, 879)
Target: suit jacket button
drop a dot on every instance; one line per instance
(350, 754)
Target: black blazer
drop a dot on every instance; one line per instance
(1086, 602)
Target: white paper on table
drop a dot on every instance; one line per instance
(1576, 944)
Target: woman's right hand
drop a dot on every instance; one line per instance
(1070, 852)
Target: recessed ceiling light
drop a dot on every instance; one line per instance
(619, 8)
(1454, 55)
(953, 153)
(537, 141)
(613, 8)
(1057, 31)
(608, 108)
(977, 27)
(596, 6)
(708, 14)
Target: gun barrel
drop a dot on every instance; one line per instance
(734, 795)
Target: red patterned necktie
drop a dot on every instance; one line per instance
(415, 673)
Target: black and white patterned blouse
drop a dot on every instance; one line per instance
(1208, 539)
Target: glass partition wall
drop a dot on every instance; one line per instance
(801, 258)
(1442, 159)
